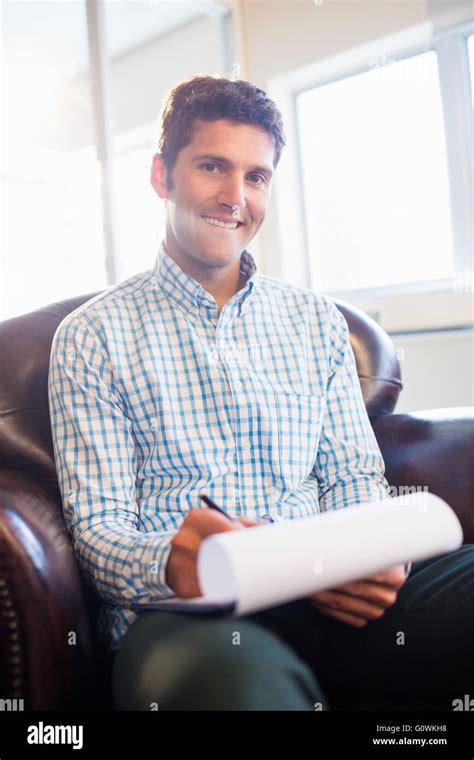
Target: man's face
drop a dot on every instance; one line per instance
(223, 175)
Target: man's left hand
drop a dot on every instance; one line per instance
(360, 602)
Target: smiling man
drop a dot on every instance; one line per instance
(216, 195)
(216, 203)
(204, 374)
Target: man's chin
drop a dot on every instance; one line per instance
(220, 254)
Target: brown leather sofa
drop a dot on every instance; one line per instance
(49, 654)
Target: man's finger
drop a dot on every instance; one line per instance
(206, 521)
(394, 577)
(340, 602)
(374, 593)
(344, 617)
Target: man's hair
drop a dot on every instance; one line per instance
(209, 98)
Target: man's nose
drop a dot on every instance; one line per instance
(232, 194)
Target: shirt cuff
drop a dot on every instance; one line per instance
(272, 518)
(154, 569)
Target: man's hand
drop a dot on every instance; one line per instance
(181, 568)
(360, 602)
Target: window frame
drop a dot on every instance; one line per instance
(430, 303)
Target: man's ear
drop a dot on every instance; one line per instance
(158, 176)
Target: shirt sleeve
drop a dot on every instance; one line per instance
(349, 465)
(96, 464)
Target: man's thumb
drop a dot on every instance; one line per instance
(249, 522)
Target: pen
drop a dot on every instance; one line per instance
(212, 505)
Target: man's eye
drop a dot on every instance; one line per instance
(259, 177)
(206, 166)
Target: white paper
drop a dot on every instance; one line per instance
(267, 565)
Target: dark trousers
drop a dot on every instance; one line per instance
(419, 654)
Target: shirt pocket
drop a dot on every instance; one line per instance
(299, 426)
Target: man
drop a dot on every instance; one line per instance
(202, 374)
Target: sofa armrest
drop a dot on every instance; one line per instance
(432, 449)
(46, 652)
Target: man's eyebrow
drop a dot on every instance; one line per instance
(226, 162)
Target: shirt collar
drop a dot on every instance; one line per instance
(187, 292)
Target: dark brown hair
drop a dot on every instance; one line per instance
(209, 98)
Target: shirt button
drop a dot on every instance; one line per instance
(246, 445)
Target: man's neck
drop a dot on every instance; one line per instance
(224, 295)
(222, 291)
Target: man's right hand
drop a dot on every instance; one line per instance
(181, 569)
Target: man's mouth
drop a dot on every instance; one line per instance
(219, 223)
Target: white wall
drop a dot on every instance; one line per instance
(437, 369)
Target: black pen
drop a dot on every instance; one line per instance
(265, 518)
(211, 504)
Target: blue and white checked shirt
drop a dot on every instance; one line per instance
(155, 396)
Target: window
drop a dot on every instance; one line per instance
(375, 176)
(373, 197)
(53, 244)
(52, 229)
